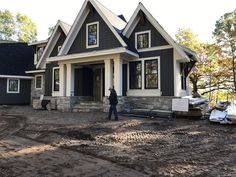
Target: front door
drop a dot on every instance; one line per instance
(98, 84)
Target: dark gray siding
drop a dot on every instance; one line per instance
(156, 37)
(15, 98)
(48, 78)
(167, 69)
(107, 39)
(60, 41)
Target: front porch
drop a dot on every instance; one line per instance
(93, 78)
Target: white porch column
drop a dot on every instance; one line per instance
(69, 80)
(118, 75)
(62, 80)
(108, 76)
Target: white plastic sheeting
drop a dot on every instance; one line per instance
(227, 116)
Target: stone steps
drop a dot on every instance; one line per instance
(88, 106)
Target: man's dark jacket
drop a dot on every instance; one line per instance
(113, 97)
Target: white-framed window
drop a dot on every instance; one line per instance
(92, 35)
(55, 79)
(151, 74)
(143, 39)
(144, 73)
(39, 52)
(135, 73)
(13, 85)
(38, 81)
(59, 48)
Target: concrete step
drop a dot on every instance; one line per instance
(89, 103)
(88, 106)
(86, 110)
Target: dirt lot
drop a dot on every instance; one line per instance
(42, 143)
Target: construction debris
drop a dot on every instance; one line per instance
(223, 113)
(197, 107)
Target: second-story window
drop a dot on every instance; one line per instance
(39, 52)
(143, 39)
(92, 35)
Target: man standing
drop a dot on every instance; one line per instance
(113, 102)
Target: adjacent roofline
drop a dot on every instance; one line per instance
(35, 71)
(93, 54)
(194, 57)
(38, 42)
(130, 27)
(84, 11)
(52, 41)
(17, 77)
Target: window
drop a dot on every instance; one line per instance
(38, 81)
(39, 52)
(183, 77)
(135, 73)
(92, 35)
(59, 48)
(55, 79)
(151, 74)
(13, 86)
(143, 40)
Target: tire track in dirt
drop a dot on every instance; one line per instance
(13, 123)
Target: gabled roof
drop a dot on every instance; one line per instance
(115, 20)
(134, 20)
(15, 58)
(115, 23)
(52, 42)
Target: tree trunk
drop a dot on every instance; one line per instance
(234, 74)
(233, 64)
(194, 81)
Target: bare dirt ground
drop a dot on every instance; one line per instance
(41, 143)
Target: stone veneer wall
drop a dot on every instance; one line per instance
(121, 106)
(65, 104)
(127, 103)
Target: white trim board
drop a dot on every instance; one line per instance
(18, 90)
(35, 71)
(155, 48)
(38, 42)
(93, 54)
(16, 77)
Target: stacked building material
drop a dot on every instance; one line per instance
(197, 108)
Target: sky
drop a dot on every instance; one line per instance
(198, 15)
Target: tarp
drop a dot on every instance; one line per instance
(224, 116)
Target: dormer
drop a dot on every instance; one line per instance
(50, 47)
(38, 48)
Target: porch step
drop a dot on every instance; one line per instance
(88, 106)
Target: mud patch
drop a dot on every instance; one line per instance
(77, 135)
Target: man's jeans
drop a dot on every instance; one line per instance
(113, 108)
